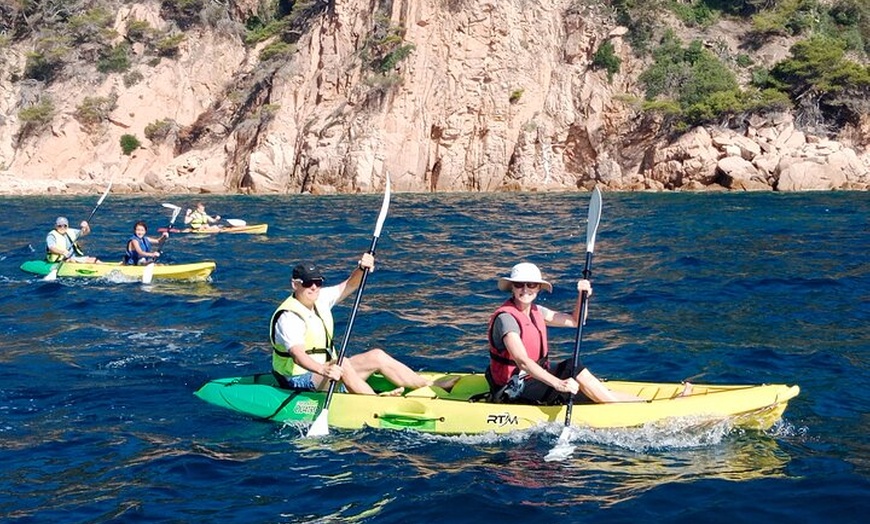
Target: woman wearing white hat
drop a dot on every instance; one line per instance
(519, 368)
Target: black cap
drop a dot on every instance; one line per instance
(307, 271)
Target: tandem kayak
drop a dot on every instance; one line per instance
(195, 271)
(252, 229)
(461, 410)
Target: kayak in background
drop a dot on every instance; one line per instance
(252, 229)
(194, 271)
(463, 409)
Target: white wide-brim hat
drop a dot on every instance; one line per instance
(524, 272)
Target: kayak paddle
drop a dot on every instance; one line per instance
(52, 275)
(148, 272)
(235, 222)
(563, 449)
(320, 427)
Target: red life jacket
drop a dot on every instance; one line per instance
(533, 332)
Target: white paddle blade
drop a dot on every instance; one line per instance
(171, 206)
(148, 273)
(320, 428)
(593, 219)
(385, 206)
(563, 448)
(52, 275)
(235, 222)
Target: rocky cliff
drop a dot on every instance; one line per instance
(442, 95)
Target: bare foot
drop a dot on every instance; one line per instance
(392, 393)
(687, 390)
(447, 382)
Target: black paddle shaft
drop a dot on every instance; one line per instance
(350, 321)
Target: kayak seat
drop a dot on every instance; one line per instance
(470, 386)
(427, 392)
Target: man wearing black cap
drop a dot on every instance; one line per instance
(303, 349)
(60, 243)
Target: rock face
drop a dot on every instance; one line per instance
(495, 95)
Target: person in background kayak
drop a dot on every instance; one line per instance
(140, 249)
(199, 219)
(519, 367)
(303, 349)
(60, 243)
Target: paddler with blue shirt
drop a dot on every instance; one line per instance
(61, 246)
(302, 337)
(140, 247)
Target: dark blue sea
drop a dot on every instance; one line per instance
(98, 421)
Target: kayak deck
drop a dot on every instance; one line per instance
(463, 409)
(193, 271)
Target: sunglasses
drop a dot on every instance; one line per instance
(530, 285)
(308, 283)
(63, 226)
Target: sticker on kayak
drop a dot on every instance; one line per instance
(502, 419)
(306, 408)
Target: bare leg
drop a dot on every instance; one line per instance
(598, 392)
(350, 378)
(377, 360)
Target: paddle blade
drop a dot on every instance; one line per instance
(385, 206)
(235, 222)
(148, 273)
(171, 206)
(52, 275)
(593, 219)
(563, 448)
(175, 213)
(320, 427)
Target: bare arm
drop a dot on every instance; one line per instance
(514, 345)
(353, 281)
(303, 359)
(556, 319)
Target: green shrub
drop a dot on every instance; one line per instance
(687, 75)
(396, 55)
(132, 78)
(159, 130)
(168, 45)
(139, 31)
(696, 13)
(93, 25)
(35, 118)
(257, 31)
(744, 60)
(129, 143)
(605, 58)
(386, 47)
(94, 110)
(818, 74)
(48, 59)
(114, 59)
(38, 114)
(277, 50)
(516, 94)
(184, 12)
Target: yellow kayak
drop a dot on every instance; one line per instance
(195, 271)
(252, 229)
(463, 410)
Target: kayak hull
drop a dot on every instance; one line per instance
(251, 229)
(434, 410)
(195, 271)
